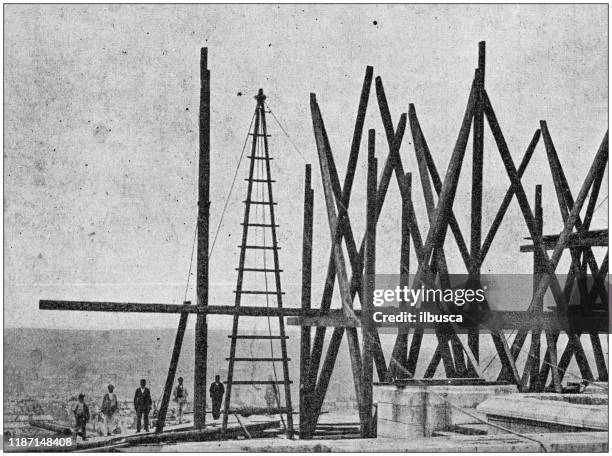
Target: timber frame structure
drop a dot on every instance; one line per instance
(459, 357)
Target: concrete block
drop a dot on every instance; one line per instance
(554, 412)
(414, 396)
(429, 408)
(393, 429)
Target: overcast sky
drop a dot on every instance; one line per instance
(101, 140)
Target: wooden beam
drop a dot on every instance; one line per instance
(600, 358)
(424, 156)
(600, 159)
(367, 303)
(176, 353)
(343, 229)
(497, 320)
(592, 204)
(566, 202)
(355, 259)
(437, 230)
(598, 238)
(398, 363)
(328, 289)
(501, 212)
(343, 284)
(531, 372)
(326, 371)
(175, 436)
(521, 196)
(357, 134)
(341, 273)
(138, 307)
(61, 429)
(574, 348)
(551, 360)
(477, 167)
(394, 140)
(305, 392)
(439, 260)
(201, 335)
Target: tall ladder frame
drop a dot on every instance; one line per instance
(260, 131)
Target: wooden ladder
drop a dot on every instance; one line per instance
(260, 164)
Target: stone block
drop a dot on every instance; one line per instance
(553, 412)
(395, 430)
(428, 408)
(401, 413)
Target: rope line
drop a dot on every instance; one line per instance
(225, 204)
(193, 244)
(285, 132)
(599, 205)
(227, 199)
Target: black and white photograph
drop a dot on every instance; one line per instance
(297, 228)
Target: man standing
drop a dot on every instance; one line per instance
(216, 395)
(109, 410)
(180, 397)
(142, 405)
(81, 415)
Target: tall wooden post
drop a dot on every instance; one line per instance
(305, 341)
(398, 364)
(367, 305)
(531, 373)
(477, 162)
(201, 336)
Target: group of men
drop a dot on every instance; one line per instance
(142, 406)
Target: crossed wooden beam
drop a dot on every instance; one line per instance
(580, 244)
(458, 358)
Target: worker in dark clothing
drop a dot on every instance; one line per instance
(81, 414)
(216, 395)
(142, 405)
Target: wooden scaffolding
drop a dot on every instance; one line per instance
(459, 357)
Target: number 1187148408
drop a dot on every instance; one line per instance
(23, 443)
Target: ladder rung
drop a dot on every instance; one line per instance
(258, 359)
(261, 202)
(259, 134)
(260, 270)
(258, 292)
(256, 336)
(260, 247)
(260, 158)
(260, 382)
(260, 180)
(263, 225)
